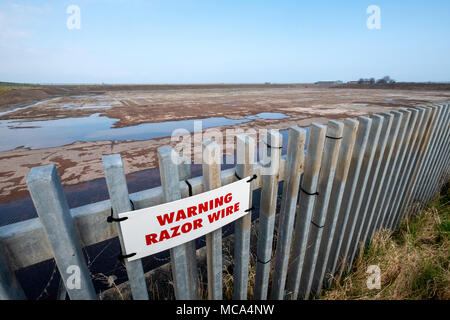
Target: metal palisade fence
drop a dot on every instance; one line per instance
(356, 177)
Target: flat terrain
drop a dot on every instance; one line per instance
(134, 105)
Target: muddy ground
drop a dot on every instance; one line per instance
(133, 105)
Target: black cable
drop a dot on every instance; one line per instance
(249, 180)
(310, 194)
(272, 146)
(262, 262)
(190, 187)
(334, 138)
(122, 257)
(317, 225)
(111, 219)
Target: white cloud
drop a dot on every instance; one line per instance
(13, 18)
(24, 11)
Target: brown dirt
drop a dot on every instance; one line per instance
(132, 105)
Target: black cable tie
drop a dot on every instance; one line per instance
(309, 194)
(320, 227)
(262, 262)
(249, 209)
(252, 178)
(111, 219)
(249, 180)
(334, 138)
(126, 256)
(272, 146)
(189, 187)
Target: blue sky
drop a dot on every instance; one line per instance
(223, 41)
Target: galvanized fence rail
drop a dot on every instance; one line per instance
(355, 177)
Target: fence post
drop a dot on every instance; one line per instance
(407, 167)
(120, 202)
(395, 145)
(350, 187)
(211, 181)
(245, 155)
(269, 193)
(291, 185)
(385, 172)
(433, 179)
(428, 143)
(398, 153)
(179, 255)
(10, 288)
(423, 147)
(327, 169)
(340, 177)
(307, 199)
(51, 205)
(399, 168)
(184, 172)
(377, 175)
(439, 166)
(426, 163)
(358, 216)
(436, 167)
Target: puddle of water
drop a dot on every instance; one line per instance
(268, 116)
(26, 107)
(58, 132)
(230, 105)
(53, 133)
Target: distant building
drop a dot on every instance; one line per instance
(328, 82)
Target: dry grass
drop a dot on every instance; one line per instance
(6, 87)
(414, 261)
(4, 90)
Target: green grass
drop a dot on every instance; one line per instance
(414, 261)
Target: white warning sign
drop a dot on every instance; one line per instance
(155, 229)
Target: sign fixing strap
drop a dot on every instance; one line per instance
(111, 219)
(309, 194)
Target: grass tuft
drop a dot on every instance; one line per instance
(414, 261)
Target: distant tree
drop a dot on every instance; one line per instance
(372, 80)
(386, 79)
